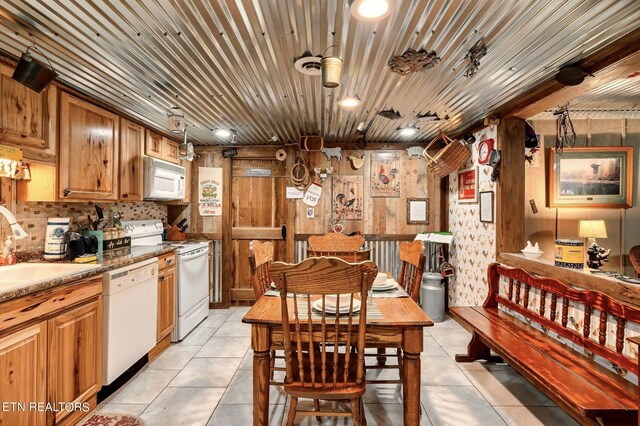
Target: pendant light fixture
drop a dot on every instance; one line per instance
(33, 74)
(331, 67)
(371, 10)
(175, 117)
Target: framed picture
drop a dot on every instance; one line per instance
(486, 207)
(595, 177)
(385, 175)
(347, 193)
(417, 211)
(468, 185)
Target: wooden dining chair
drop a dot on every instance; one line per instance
(634, 258)
(334, 241)
(345, 247)
(323, 352)
(260, 260)
(411, 269)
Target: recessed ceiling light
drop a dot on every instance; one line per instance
(222, 133)
(408, 131)
(371, 10)
(349, 101)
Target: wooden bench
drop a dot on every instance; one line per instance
(589, 392)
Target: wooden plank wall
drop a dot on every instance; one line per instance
(381, 215)
(548, 224)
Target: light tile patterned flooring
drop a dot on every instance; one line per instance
(206, 380)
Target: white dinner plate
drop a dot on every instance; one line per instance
(381, 278)
(330, 306)
(387, 285)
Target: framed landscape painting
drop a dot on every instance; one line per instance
(595, 177)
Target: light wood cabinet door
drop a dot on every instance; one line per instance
(75, 356)
(153, 144)
(171, 151)
(28, 119)
(166, 302)
(88, 151)
(131, 160)
(23, 363)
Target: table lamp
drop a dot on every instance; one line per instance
(593, 229)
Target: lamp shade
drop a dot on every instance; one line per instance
(592, 229)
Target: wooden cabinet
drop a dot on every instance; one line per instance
(166, 295)
(51, 352)
(166, 302)
(89, 144)
(131, 161)
(158, 146)
(75, 355)
(28, 119)
(23, 358)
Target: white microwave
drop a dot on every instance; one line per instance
(163, 180)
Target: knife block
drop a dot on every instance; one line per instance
(175, 234)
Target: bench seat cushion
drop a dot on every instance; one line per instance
(566, 376)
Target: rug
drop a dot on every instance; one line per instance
(113, 420)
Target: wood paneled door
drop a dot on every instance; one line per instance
(89, 146)
(258, 212)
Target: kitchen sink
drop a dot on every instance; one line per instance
(23, 274)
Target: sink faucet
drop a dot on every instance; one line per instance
(8, 256)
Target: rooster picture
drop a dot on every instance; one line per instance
(346, 201)
(347, 197)
(385, 175)
(386, 180)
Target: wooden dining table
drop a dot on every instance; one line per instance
(402, 322)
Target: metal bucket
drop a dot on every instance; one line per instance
(331, 71)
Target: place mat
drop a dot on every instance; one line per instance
(397, 292)
(373, 312)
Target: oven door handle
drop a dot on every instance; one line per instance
(191, 256)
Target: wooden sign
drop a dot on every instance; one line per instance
(10, 153)
(468, 185)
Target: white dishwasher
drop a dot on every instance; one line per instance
(130, 302)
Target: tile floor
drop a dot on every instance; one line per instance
(206, 380)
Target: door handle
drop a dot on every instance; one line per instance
(283, 230)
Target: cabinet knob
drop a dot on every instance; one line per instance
(168, 261)
(125, 195)
(161, 277)
(66, 192)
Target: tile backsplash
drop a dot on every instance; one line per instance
(32, 216)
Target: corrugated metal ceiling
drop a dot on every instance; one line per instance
(230, 63)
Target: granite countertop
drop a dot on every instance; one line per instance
(109, 261)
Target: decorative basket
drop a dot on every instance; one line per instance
(449, 159)
(311, 143)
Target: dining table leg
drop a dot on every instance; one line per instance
(261, 373)
(411, 348)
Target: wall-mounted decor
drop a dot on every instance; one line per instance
(210, 191)
(347, 194)
(597, 177)
(417, 211)
(415, 150)
(385, 175)
(413, 61)
(486, 207)
(473, 56)
(390, 114)
(468, 185)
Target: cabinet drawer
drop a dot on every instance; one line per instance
(167, 260)
(26, 308)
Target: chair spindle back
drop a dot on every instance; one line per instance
(260, 259)
(413, 261)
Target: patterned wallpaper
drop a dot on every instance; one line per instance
(474, 242)
(32, 216)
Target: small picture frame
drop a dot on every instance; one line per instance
(417, 211)
(486, 207)
(468, 185)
